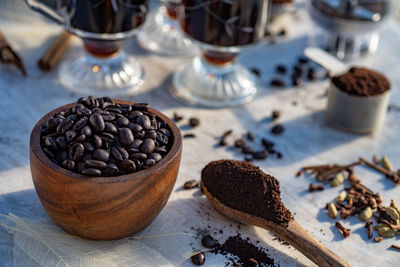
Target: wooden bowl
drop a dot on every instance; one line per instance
(103, 207)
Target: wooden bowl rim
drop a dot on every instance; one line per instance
(37, 150)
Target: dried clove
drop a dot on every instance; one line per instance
(312, 188)
(9, 56)
(344, 231)
(368, 225)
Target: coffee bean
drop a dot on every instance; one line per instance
(134, 114)
(190, 184)
(101, 154)
(110, 128)
(107, 116)
(277, 83)
(162, 139)
(296, 81)
(91, 172)
(122, 121)
(152, 134)
(79, 166)
(209, 242)
(266, 143)
(141, 106)
(111, 170)
(138, 156)
(80, 139)
(87, 131)
(189, 135)
(135, 127)
(261, 154)
(64, 125)
(73, 117)
(97, 141)
(52, 123)
(311, 75)
(48, 153)
(247, 149)
(156, 156)
(125, 136)
(194, 122)
(70, 135)
(298, 70)
(107, 137)
(277, 129)
(222, 142)
(50, 143)
(276, 114)
(147, 146)
(97, 122)
(239, 143)
(125, 108)
(76, 151)
(127, 165)
(136, 144)
(83, 112)
(256, 71)
(69, 164)
(119, 153)
(250, 136)
(279, 155)
(303, 60)
(164, 131)
(177, 117)
(198, 259)
(88, 147)
(80, 123)
(143, 121)
(148, 163)
(161, 149)
(61, 142)
(95, 164)
(281, 69)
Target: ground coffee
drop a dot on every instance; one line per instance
(362, 82)
(244, 187)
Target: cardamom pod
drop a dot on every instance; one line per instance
(386, 231)
(380, 225)
(372, 203)
(332, 211)
(366, 214)
(342, 196)
(394, 205)
(386, 163)
(339, 179)
(393, 214)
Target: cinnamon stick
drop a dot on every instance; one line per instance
(9, 56)
(391, 175)
(53, 55)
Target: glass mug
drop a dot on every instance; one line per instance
(103, 25)
(162, 33)
(221, 28)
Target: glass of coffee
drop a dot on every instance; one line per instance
(103, 25)
(162, 34)
(221, 28)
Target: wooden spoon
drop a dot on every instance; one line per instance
(294, 234)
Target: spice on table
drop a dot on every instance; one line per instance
(53, 55)
(194, 122)
(344, 231)
(378, 239)
(391, 175)
(189, 135)
(339, 179)
(396, 247)
(209, 242)
(276, 114)
(177, 117)
(368, 225)
(386, 163)
(198, 259)
(9, 56)
(190, 184)
(332, 211)
(312, 187)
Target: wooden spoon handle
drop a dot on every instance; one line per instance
(298, 237)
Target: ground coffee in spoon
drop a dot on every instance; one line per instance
(243, 186)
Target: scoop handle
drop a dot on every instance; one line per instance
(334, 65)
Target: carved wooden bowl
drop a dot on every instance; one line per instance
(103, 207)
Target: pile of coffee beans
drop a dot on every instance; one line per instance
(97, 137)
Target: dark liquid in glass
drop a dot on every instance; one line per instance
(225, 22)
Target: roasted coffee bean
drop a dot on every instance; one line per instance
(147, 146)
(266, 143)
(156, 156)
(239, 143)
(111, 170)
(135, 127)
(143, 121)
(164, 131)
(70, 135)
(298, 70)
(80, 139)
(88, 147)
(190, 184)
(125, 108)
(48, 153)
(311, 75)
(261, 154)
(256, 71)
(276, 114)
(162, 139)
(136, 144)
(76, 151)
(279, 155)
(122, 121)
(114, 109)
(52, 123)
(277, 129)
(250, 136)
(177, 117)
(247, 149)
(277, 83)
(160, 149)
(107, 137)
(69, 164)
(97, 141)
(107, 116)
(119, 153)
(303, 60)
(125, 136)
(194, 122)
(198, 259)
(87, 156)
(152, 134)
(280, 69)
(76, 107)
(141, 106)
(296, 81)
(87, 131)
(80, 123)
(140, 135)
(91, 172)
(148, 163)
(64, 125)
(83, 112)
(189, 135)
(97, 122)
(63, 156)
(50, 143)
(61, 142)
(101, 154)
(134, 114)
(110, 128)
(138, 156)
(80, 166)
(209, 242)
(127, 165)
(95, 164)
(73, 117)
